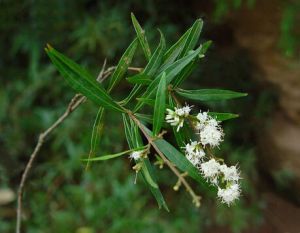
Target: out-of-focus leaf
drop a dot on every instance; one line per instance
(209, 94)
(221, 116)
(171, 72)
(160, 105)
(141, 36)
(96, 133)
(123, 65)
(192, 38)
(112, 156)
(81, 81)
(142, 79)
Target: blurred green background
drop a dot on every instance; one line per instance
(60, 196)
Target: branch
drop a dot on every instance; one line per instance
(196, 198)
(75, 102)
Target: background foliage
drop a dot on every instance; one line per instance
(60, 196)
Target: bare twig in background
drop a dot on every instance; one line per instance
(76, 101)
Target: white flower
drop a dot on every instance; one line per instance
(229, 194)
(211, 135)
(210, 169)
(202, 117)
(136, 155)
(194, 153)
(230, 173)
(176, 118)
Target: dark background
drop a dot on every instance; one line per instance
(255, 50)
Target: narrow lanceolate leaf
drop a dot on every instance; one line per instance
(146, 173)
(123, 65)
(171, 72)
(209, 94)
(80, 80)
(150, 69)
(160, 105)
(141, 36)
(192, 38)
(112, 156)
(172, 54)
(222, 116)
(141, 78)
(157, 57)
(96, 133)
(190, 67)
(155, 191)
(128, 132)
(179, 160)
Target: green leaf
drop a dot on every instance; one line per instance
(142, 79)
(171, 72)
(222, 116)
(192, 38)
(123, 65)
(147, 174)
(172, 54)
(80, 80)
(96, 133)
(134, 139)
(145, 118)
(157, 57)
(112, 156)
(209, 94)
(155, 191)
(160, 105)
(141, 36)
(190, 67)
(150, 69)
(179, 160)
(150, 102)
(128, 132)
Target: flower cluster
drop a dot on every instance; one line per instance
(225, 178)
(177, 117)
